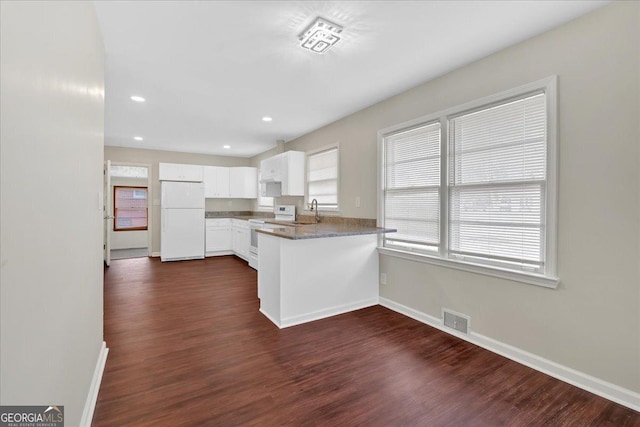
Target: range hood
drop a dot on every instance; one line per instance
(283, 174)
(270, 179)
(271, 188)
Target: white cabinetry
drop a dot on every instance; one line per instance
(216, 182)
(218, 236)
(180, 172)
(243, 183)
(271, 169)
(283, 175)
(241, 238)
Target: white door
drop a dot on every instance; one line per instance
(107, 210)
(182, 234)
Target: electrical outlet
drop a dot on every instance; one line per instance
(357, 201)
(383, 278)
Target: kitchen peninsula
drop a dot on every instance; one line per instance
(309, 272)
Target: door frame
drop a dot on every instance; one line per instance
(149, 199)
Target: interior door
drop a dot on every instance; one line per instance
(107, 210)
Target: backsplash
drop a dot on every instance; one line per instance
(339, 220)
(229, 214)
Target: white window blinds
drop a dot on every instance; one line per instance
(412, 188)
(322, 181)
(497, 184)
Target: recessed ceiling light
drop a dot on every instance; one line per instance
(137, 98)
(320, 36)
(226, 146)
(266, 119)
(138, 138)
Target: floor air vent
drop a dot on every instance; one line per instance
(456, 321)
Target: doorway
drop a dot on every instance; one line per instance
(128, 211)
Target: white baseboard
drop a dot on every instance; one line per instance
(332, 311)
(155, 254)
(218, 253)
(274, 321)
(579, 379)
(94, 388)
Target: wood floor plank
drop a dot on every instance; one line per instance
(188, 347)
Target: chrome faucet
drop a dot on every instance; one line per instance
(316, 217)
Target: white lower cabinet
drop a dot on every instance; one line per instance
(241, 238)
(218, 237)
(226, 236)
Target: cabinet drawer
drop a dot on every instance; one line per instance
(218, 222)
(242, 224)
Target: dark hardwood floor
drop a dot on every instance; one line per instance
(188, 347)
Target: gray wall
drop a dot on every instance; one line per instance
(591, 322)
(153, 157)
(52, 109)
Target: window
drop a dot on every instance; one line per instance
(497, 182)
(412, 190)
(322, 179)
(129, 208)
(264, 203)
(475, 186)
(128, 171)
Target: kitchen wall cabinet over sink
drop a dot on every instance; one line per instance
(216, 182)
(180, 172)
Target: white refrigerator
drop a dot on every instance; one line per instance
(182, 221)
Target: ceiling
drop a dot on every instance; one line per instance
(210, 71)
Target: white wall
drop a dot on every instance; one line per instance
(591, 323)
(153, 157)
(128, 239)
(52, 108)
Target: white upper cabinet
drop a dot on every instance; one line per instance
(180, 172)
(271, 169)
(283, 174)
(216, 182)
(243, 183)
(219, 181)
(230, 183)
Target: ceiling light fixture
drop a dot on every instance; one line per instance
(320, 36)
(266, 119)
(137, 98)
(138, 138)
(226, 147)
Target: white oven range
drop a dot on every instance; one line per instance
(284, 213)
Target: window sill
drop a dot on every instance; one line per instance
(529, 278)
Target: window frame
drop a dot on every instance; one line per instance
(549, 278)
(115, 217)
(413, 126)
(307, 206)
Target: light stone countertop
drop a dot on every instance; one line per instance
(317, 231)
